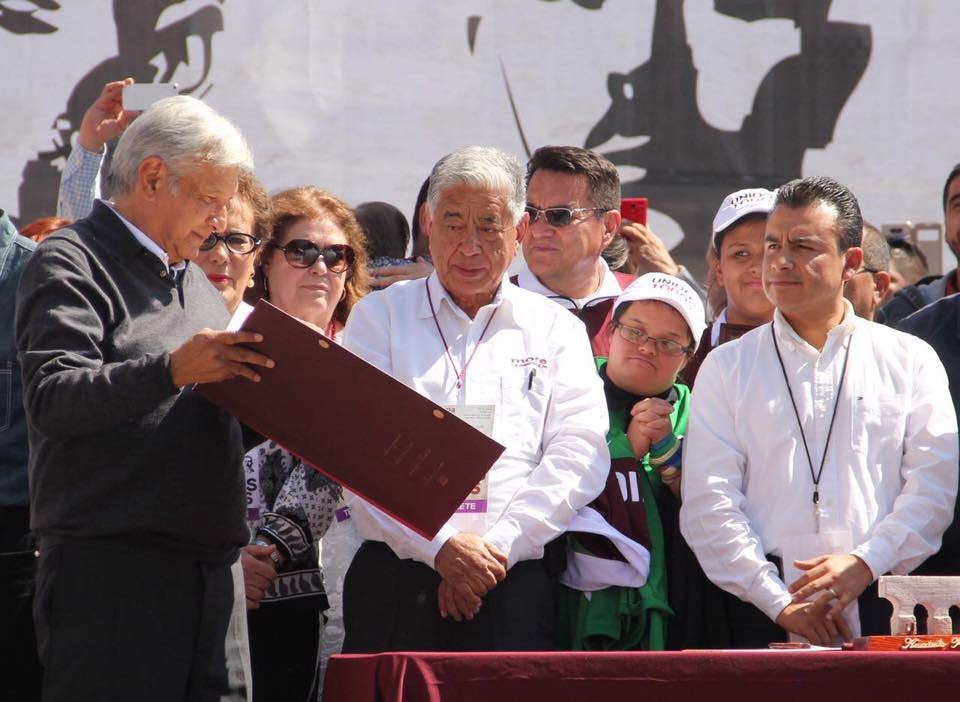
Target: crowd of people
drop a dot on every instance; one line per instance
(687, 464)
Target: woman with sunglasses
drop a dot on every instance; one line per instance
(314, 267)
(616, 587)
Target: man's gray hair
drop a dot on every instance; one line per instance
(480, 167)
(184, 132)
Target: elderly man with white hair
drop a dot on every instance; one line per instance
(136, 496)
(469, 339)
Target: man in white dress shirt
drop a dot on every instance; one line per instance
(468, 339)
(822, 442)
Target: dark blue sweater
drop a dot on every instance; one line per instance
(117, 451)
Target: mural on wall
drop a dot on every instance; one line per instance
(690, 165)
(25, 21)
(140, 43)
(650, 119)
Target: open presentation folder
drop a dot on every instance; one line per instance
(351, 421)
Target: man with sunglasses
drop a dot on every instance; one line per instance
(137, 499)
(573, 199)
(518, 367)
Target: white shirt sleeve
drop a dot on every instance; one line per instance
(575, 461)
(79, 183)
(711, 518)
(913, 530)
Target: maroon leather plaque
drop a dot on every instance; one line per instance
(356, 424)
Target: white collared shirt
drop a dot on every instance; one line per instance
(609, 286)
(534, 365)
(239, 316)
(148, 243)
(890, 477)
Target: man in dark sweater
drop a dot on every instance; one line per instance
(136, 484)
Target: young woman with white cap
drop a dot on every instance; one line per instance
(616, 589)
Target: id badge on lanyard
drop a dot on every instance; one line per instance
(471, 515)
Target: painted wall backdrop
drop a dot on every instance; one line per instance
(690, 98)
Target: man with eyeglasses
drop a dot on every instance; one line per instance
(821, 448)
(573, 199)
(519, 368)
(867, 287)
(137, 498)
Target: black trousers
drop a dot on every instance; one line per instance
(20, 669)
(285, 649)
(118, 622)
(390, 604)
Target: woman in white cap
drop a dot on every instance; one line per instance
(616, 590)
(736, 256)
(701, 609)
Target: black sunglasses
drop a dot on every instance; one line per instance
(303, 253)
(558, 216)
(236, 242)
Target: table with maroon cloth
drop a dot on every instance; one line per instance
(771, 676)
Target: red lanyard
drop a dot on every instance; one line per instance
(462, 373)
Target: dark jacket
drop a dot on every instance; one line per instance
(939, 325)
(117, 451)
(912, 298)
(14, 252)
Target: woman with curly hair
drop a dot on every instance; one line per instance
(313, 266)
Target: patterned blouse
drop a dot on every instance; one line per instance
(293, 505)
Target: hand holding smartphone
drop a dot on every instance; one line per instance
(139, 96)
(634, 209)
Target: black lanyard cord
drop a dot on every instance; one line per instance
(836, 403)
